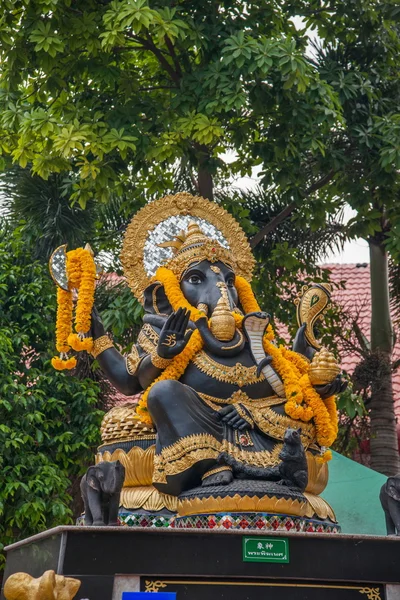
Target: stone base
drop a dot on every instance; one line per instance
(211, 564)
(255, 522)
(222, 521)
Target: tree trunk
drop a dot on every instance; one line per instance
(384, 443)
(205, 180)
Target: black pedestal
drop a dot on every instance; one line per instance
(213, 565)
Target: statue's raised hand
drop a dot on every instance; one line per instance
(96, 328)
(301, 345)
(173, 336)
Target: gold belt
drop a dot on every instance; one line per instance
(240, 396)
(237, 375)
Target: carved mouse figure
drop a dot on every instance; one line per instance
(291, 472)
(101, 489)
(390, 500)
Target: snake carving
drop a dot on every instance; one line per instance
(312, 303)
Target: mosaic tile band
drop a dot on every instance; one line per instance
(224, 521)
(255, 522)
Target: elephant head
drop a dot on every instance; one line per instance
(106, 477)
(211, 288)
(205, 271)
(393, 488)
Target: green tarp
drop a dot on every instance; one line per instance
(353, 492)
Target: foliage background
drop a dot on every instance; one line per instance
(49, 422)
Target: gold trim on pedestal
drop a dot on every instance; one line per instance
(147, 498)
(121, 424)
(237, 503)
(317, 475)
(320, 507)
(138, 463)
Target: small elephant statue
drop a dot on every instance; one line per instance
(390, 500)
(101, 489)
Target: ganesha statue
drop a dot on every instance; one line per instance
(221, 404)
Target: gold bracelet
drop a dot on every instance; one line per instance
(216, 470)
(102, 343)
(158, 361)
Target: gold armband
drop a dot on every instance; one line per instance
(133, 361)
(102, 343)
(158, 361)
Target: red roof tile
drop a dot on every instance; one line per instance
(355, 299)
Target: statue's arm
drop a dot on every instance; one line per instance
(147, 372)
(112, 363)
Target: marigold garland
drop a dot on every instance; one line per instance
(81, 274)
(303, 402)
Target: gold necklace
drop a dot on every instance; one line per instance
(237, 375)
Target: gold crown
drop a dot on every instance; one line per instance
(193, 246)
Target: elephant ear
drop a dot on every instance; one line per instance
(92, 478)
(393, 488)
(156, 301)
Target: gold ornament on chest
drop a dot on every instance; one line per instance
(237, 374)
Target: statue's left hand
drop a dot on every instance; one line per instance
(173, 336)
(231, 417)
(337, 386)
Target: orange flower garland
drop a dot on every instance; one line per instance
(303, 402)
(81, 274)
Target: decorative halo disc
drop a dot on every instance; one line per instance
(161, 220)
(58, 267)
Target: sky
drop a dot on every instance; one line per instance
(355, 251)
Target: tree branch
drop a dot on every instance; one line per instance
(171, 50)
(163, 61)
(148, 44)
(287, 211)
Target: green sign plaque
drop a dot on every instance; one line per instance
(272, 550)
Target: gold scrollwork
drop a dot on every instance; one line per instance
(371, 593)
(133, 360)
(154, 586)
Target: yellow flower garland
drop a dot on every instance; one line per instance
(81, 274)
(303, 402)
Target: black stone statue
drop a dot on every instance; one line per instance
(390, 500)
(229, 397)
(101, 488)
